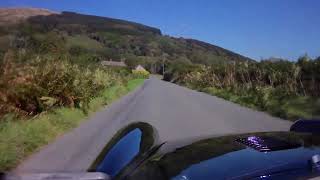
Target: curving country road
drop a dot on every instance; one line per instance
(176, 112)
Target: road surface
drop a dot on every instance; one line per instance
(176, 112)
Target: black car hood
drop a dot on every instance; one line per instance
(227, 158)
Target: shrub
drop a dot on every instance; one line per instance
(140, 74)
(281, 87)
(46, 81)
(19, 138)
(77, 50)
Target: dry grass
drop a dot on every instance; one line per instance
(20, 138)
(15, 15)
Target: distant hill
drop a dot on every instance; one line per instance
(216, 50)
(15, 15)
(107, 38)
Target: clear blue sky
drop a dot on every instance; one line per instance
(255, 28)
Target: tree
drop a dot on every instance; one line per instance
(303, 59)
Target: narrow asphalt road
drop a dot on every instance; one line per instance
(177, 113)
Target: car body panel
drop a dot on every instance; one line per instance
(225, 158)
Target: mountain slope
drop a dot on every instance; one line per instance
(107, 38)
(92, 23)
(15, 15)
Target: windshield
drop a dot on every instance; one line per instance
(75, 76)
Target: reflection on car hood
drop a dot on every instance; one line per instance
(227, 158)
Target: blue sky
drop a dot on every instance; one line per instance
(254, 28)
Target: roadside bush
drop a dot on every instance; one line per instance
(46, 82)
(141, 74)
(19, 137)
(77, 50)
(285, 89)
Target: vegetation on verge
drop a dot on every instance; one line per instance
(283, 88)
(140, 73)
(50, 80)
(20, 138)
(43, 95)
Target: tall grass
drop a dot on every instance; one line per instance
(22, 137)
(45, 95)
(285, 89)
(18, 139)
(46, 82)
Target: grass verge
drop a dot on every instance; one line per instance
(286, 107)
(20, 138)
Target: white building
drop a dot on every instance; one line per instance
(140, 68)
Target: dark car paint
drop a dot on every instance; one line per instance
(224, 158)
(217, 157)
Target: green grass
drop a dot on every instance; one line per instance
(113, 37)
(84, 42)
(113, 93)
(134, 84)
(290, 107)
(305, 107)
(20, 138)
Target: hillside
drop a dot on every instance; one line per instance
(15, 15)
(103, 37)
